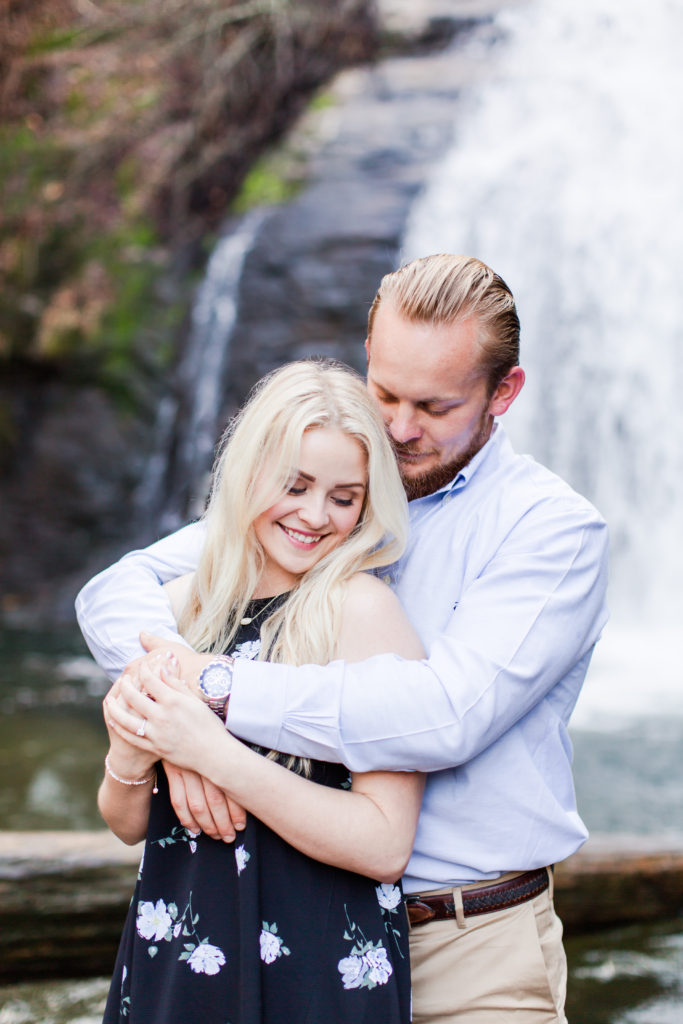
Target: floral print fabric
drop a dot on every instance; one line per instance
(254, 932)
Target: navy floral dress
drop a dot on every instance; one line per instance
(254, 932)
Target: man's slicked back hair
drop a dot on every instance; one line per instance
(448, 289)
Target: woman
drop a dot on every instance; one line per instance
(285, 926)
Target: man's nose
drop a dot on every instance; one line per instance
(403, 424)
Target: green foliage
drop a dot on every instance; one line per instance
(263, 185)
(323, 100)
(128, 127)
(53, 40)
(28, 163)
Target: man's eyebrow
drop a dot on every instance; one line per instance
(435, 400)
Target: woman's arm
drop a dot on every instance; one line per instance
(369, 829)
(123, 798)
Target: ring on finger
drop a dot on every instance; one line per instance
(142, 728)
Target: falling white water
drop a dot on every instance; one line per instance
(566, 177)
(213, 320)
(201, 374)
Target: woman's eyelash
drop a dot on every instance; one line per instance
(346, 502)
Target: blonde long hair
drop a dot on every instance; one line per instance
(257, 462)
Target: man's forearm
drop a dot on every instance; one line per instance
(127, 597)
(497, 658)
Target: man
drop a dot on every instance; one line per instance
(504, 578)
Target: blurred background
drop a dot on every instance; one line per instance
(195, 191)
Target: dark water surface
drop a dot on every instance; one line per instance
(52, 737)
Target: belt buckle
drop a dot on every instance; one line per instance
(419, 912)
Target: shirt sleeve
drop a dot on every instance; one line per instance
(127, 597)
(522, 632)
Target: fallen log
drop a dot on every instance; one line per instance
(64, 895)
(63, 901)
(620, 879)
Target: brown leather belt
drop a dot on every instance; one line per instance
(482, 900)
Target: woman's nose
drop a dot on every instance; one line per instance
(314, 512)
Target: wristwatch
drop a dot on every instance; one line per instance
(215, 684)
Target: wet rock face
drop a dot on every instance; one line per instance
(313, 272)
(308, 281)
(315, 265)
(64, 492)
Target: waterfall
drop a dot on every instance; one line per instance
(565, 176)
(188, 424)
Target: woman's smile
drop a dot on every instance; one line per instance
(317, 513)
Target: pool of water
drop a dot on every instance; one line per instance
(52, 737)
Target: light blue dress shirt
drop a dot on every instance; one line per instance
(504, 579)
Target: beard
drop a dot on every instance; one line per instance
(434, 479)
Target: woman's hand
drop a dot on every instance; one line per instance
(125, 760)
(199, 804)
(166, 720)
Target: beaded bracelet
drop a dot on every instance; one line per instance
(131, 782)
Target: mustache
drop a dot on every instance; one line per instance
(408, 448)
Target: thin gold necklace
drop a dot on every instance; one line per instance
(248, 619)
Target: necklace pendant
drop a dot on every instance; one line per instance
(246, 620)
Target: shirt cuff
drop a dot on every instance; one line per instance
(257, 702)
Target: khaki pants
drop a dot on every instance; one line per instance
(506, 966)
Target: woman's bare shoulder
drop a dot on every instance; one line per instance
(367, 591)
(374, 622)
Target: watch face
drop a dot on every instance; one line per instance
(215, 680)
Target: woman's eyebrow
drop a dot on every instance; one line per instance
(311, 479)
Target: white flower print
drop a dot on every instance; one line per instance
(193, 846)
(367, 965)
(379, 964)
(270, 947)
(249, 649)
(241, 858)
(352, 969)
(365, 970)
(388, 895)
(271, 944)
(153, 920)
(206, 959)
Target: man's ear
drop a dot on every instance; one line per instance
(506, 392)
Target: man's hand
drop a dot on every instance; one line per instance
(203, 807)
(182, 661)
(189, 663)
